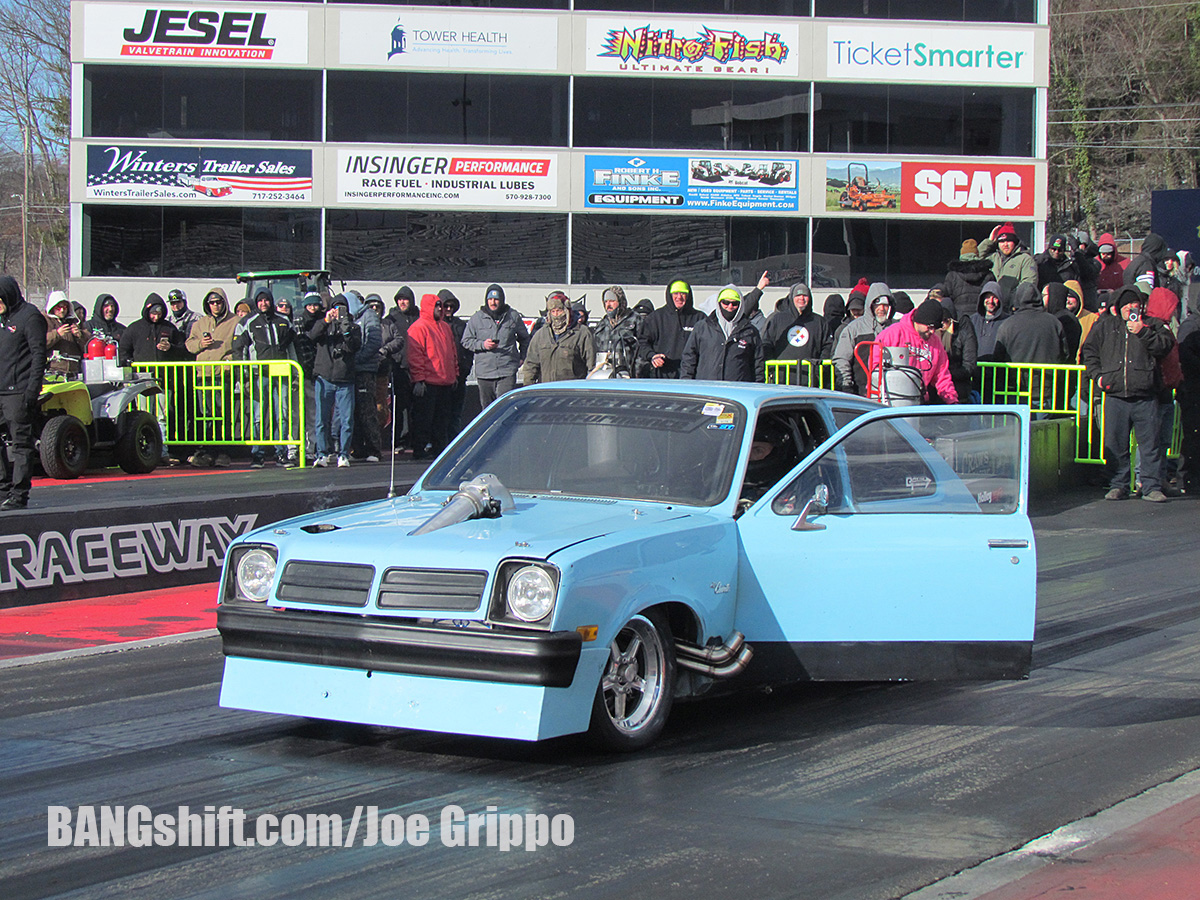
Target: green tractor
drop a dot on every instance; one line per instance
(290, 284)
(77, 419)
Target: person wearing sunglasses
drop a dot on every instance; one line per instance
(725, 346)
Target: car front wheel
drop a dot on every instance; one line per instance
(635, 692)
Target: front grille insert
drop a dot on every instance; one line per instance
(440, 589)
(333, 584)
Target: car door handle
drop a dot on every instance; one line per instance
(1007, 544)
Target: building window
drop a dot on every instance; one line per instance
(194, 242)
(878, 118)
(196, 103)
(694, 7)
(652, 250)
(485, 4)
(691, 114)
(445, 246)
(937, 10)
(904, 253)
(424, 108)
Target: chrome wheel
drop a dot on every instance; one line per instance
(635, 691)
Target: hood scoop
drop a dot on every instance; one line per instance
(483, 497)
(319, 529)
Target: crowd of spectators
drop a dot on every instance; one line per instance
(379, 381)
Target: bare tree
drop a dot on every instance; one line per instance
(35, 109)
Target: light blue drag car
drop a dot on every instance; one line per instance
(586, 553)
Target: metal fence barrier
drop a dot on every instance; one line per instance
(803, 372)
(223, 404)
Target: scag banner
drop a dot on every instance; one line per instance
(950, 56)
(195, 34)
(717, 47)
(958, 188)
(489, 176)
(420, 39)
(681, 182)
(116, 172)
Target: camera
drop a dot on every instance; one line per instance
(1134, 316)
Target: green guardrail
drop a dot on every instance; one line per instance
(231, 403)
(802, 372)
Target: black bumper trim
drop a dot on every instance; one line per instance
(544, 659)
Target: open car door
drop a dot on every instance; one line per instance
(901, 548)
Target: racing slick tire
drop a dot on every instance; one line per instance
(636, 690)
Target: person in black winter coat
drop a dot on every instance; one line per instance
(1054, 295)
(962, 348)
(338, 339)
(1031, 335)
(964, 277)
(666, 332)
(1153, 265)
(403, 314)
(1063, 261)
(22, 366)
(724, 346)
(104, 322)
(151, 338)
(1188, 395)
(1121, 355)
(795, 332)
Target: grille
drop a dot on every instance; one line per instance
(335, 584)
(445, 589)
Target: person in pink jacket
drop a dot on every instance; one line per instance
(433, 368)
(918, 330)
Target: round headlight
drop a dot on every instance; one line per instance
(530, 594)
(255, 575)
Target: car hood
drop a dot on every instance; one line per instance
(379, 532)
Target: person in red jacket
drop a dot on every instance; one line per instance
(433, 368)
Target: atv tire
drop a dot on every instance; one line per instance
(140, 445)
(64, 448)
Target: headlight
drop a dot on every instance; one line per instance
(530, 594)
(255, 575)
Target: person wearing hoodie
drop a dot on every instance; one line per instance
(834, 314)
(1054, 297)
(561, 350)
(368, 437)
(211, 341)
(1112, 264)
(1188, 395)
(616, 334)
(964, 277)
(725, 346)
(337, 338)
(1077, 307)
(989, 315)
(1030, 335)
(306, 356)
(1012, 263)
(1163, 306)
(433, 365)
(1154, 265)
(918, 331)
(458, 326)
(152, 338)
(383, 371)
(1063, 261)
(849, 373)
(403, 314)
(666, 331)
(961, 346)
(497, 335)
(66, 334)
(796, 333)
(178, 313)
(1121, 355)
(104, 322)
(22, 367)
(267, 336)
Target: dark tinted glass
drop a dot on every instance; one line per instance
(386, 245)
(184, 242)
(651, 250)
(201, 104)
(937, 10)
(691, 114)
(908, 253)
(485, 4)
(971, 121)
(423, 108)
(683, 7)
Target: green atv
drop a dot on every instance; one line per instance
(77, 419)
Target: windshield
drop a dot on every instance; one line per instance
(602, 443)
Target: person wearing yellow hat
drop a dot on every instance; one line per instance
(725, 346)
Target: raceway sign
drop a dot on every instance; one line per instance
(415, 39)
(197, 34)
(188, 173)
(388, 177)
(680, 182)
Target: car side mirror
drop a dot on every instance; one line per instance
(816, 506)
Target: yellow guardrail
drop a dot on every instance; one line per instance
(804, 372)
(229, 403)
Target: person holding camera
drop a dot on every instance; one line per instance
(1121, 354)
(337, 338)
(66, 335)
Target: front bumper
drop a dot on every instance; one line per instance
(373, 644)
